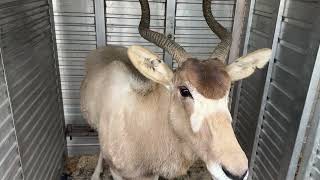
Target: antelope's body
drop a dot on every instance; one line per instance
(153, 121)
(133, 125)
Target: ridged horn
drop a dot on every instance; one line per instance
(223, 48)
(176, 51)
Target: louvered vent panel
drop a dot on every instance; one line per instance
(289, 82)
(261, 36)
(28, 59)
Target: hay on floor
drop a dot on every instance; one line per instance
(82, 167)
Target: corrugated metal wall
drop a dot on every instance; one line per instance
(249, 98)
(28, 58)
(122, 21)
(191, 29)
(294, 50)
(10, 160)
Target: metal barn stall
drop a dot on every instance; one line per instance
(44, 43)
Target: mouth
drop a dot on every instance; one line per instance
(217, 173)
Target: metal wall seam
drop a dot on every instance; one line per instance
(99, 8)
(309, 115)
(237, 87)
(57, 70)
(10, 109)
(267, 83)
(170, 27)
(237, 32)
(237, 29)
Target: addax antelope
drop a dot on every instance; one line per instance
(153, 121)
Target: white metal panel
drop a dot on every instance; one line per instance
(76, 37)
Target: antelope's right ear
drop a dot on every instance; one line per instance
(246, 65)
(150, 65)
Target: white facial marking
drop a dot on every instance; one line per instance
(203, 107)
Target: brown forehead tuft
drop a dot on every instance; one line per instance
(209, 77)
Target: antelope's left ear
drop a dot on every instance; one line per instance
(150, 65)
(245, 66)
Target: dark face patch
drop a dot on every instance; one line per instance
(209, 77)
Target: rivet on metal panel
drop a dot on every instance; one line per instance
(100, 22)
(170, 27)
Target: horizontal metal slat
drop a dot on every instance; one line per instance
(26, 122)
(295, 35)
(56, 159)
(276, 136)
(302, 10)
(83, 6)
(264, 157)
(13, 169)
(263, 24)
(47, 148)
(272, 154)
(31, 138)
(265, 172)
(11, 155)
(283, 101)
(269, 140)
(83, 145)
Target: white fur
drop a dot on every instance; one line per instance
(204, 107)
(217, 172)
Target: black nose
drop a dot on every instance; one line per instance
(232, 176)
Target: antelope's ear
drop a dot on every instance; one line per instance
(245, 66)
(150, 65)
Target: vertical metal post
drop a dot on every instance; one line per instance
(170, 27)
(237, 86)
(307, 114)
(267, 83)
(57, 71)
(237, 30)
(99, 10)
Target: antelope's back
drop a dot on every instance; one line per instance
(107, 75)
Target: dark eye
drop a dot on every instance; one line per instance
(185, 92)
